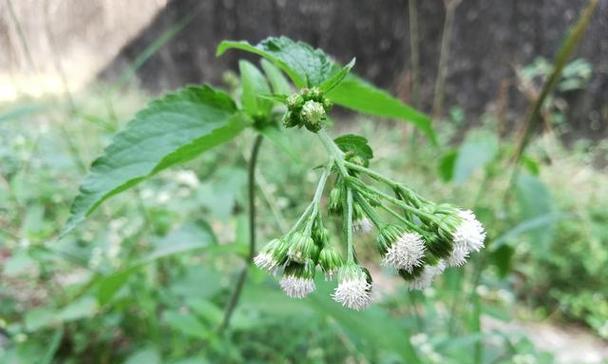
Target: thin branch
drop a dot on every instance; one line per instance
(444, 56)
(236, 294)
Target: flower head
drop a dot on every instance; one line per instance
(363, 225)
(271, 256)
(302, 248)
(354, 288)
(426, 277)
(313, 115)
(459, 254)
(298, 279)
(470, 231)
(406, 252)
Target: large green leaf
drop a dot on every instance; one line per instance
(309, 67)
(173, 129)
(253, 84)
(305, 65)
(359, 95)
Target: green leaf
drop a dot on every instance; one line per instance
(171, 130)
(175, 243)
(355, 145)
(502, 258)
(187, 324)
(279, 83)
(535, 201)
(305, 65)
(253, 83)
(337, 77)
(446, 165)
(144, 356)
(359, 95)
(281, 141)
(476, 152)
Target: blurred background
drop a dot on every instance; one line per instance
(146, 279)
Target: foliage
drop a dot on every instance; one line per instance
(148, 281)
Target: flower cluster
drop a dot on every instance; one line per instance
(415, 237)
(307, 108)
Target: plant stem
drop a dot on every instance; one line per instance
(414, 51)
(574, 37)
(444, 56)
(348, 225)
(236, 294)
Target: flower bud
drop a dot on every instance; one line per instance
(320, 234)
(313, 115)
(295, 102)
(330, 261)
(335, 200)
(354, 289)
(302, 248)
(298, 279)
(291, 119)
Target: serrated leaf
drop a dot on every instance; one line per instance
(279, 83)
(356, 145)
(359, 95)
(173, 129)
(337, 77)
(253, 83)
(305, 65)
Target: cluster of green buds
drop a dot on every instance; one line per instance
(415, 237)
(308, 108)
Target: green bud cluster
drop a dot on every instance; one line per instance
(308, 108)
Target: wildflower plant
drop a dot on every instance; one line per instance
(416, 237)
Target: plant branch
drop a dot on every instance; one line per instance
(236, 294)
(444, 56)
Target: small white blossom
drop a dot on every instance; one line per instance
(427, 276)
(353, 291)
(458, 256)
(297, 287)
(363, 225)
(470, 232)
(265, 261)
(406, 252)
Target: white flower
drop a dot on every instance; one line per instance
(363, 225)
(406, 252)
(470, 233)
(427, 276)
(458, 256)
(265, 261)
(353, 291)
(297, 287)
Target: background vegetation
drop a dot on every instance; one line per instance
(147, 278)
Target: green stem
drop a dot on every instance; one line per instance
(316, 200)
(369, 211)
(348, 225)
(405, 221)
(236, 294)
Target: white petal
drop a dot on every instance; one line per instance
(353, 293)
(297, 287)
(406, 252)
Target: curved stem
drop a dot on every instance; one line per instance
(236, 294)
